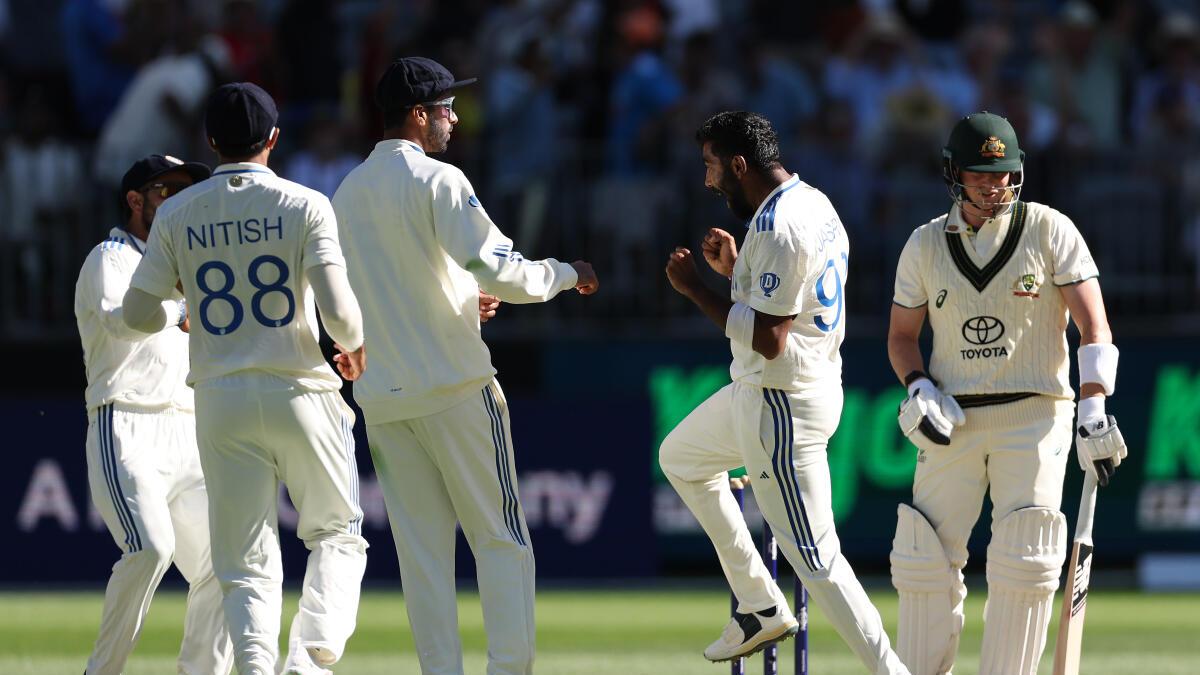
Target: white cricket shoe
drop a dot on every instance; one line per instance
(300, 661)
(746, 634)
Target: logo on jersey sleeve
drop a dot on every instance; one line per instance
(983, 331)
(768, 282)
(1026, 286)
(473, 201)
(941, 298)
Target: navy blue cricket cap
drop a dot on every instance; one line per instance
(239, 115)
(412, 80)
(150, 167)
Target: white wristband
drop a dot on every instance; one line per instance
(182, 312)
(1098, 365)
(1090, 409)
(739, 326)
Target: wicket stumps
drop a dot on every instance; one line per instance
(770, 555)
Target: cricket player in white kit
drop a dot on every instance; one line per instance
(143, 465)
(252, 250)
(998, 279)
(785, 322)
(420, 247)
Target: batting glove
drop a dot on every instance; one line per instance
(1100, 447)
(930, 412)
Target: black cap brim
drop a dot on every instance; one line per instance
(461, 83)
(195, 170)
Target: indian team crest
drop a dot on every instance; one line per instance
(992, 147)
(768, 282)
(1026, 286)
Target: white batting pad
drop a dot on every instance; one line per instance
(1025, 558)
(931, 594)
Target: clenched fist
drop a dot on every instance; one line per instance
(720, 250)
(681, 272)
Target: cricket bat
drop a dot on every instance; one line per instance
(1075, 590)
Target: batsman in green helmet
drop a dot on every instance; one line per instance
(994, 411)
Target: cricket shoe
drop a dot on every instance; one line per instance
(748, 633)
(301, 661)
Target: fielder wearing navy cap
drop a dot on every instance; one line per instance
(239, 116)
(148, 168)
(414, 80)
(143, 172)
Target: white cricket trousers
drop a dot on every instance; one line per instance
(145, 479)
(256, 430)
(781, 439)
(457, 466)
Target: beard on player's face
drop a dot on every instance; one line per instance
(437, 135)
(729, 188)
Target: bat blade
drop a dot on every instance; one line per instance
(1074, 607)
(1068, 651)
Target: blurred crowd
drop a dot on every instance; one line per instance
(579, 135)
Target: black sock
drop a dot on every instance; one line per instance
(767, 612)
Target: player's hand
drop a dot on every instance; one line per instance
(186, 326)
(488, 304)
(720, 250)
(588, 283)
(1100, 447)
(928, 411)
(682, 273)
(350, 364)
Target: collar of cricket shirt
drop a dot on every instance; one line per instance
(242, 167)
(764, 217)
(389, 144)
(134, 243)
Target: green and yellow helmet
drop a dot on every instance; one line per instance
(983, 142)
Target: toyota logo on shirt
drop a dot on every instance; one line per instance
(982, 330)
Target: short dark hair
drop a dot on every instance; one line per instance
(741, 133)
(242, 152)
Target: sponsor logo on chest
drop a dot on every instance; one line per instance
(982, 332)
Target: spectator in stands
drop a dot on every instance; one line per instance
(324, 160)
(251, 45)
(39, 205)
(101, 57)
(883, 60)
(523, 134)
(778, 90)
(160, 111)
(644, 91)
(309, 50)
(1078, 73)
(1176, 43)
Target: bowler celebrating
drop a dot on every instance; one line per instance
(785, 323)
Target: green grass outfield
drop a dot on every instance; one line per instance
(596, 632)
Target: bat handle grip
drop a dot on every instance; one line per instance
(1087, 509)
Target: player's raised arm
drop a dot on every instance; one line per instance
(469, 236)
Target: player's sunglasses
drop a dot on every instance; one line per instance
(165, 190)
(447, 103)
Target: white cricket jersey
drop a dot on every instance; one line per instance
(998, 317)
(793, 262)
(124, 366)
(420, 246)
(242, 242)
